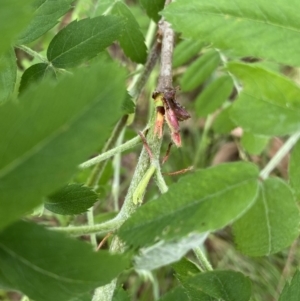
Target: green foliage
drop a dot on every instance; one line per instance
(238, 62)
(254, 144)
(83, 40)
(49, 130)
(46, 15)
(225, 285)
(60, 267)
(291, 290)
(223, 124)
(153, 7)
(71, 199)
(20, 13)
(271, 224)
(8, 74)
(131, 40)
(200, 70)
(185, 51)
(35, 73)
(270, 97)
(241, 27)
(191, 204)
(214, 95)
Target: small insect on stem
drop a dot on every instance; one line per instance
(168, 108)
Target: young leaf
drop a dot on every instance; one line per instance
(83, 40)
(272, 98)
(223, 123)
(47, 13)
(35, 73)
(15, 10)
(132, 40)
(246, 28)
(291, 291)
(225, 285)
(254, 144)
(54, 128)
(53, 266)
(153, 7)
(200, 70)
(71, 199)
(272, 222)
(8, 74)
(205, 201)
(164, 253)
(214, 95)
(294, 170)
(185, 50)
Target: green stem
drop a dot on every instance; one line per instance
(103, 228)
(199, 158)
(112, 152)
(33, 53)
(117, 169)
(283, 151)
(203, 260)
(99, 168)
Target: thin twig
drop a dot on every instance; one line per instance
(105, 293)
(112, 152)
(283, 151)
(33, 53)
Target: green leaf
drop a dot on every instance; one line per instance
(83, 40)
(46, 265)
(190, 205)
(214, 95)
(8, 74)
(223, 123)
(47, 13)
(254, 144)
(272, 222)
(186, 50)
(164, 253)
(20, 13)
(294, 170)
(272, 98)
(184, 270)
(225, 285)
(55, 127)
(132, 40)
(200, 70)
(176, 294)
(128, 106)
(246, 28)
(153, 7)
(34, 74)
(71, 199)
(291, 291)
